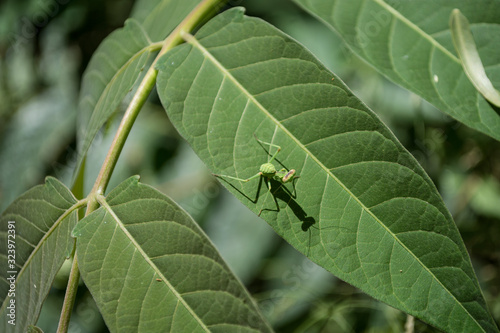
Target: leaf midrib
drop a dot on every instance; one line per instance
(195, 43)
(416, 28)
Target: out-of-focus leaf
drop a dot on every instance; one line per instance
(410, 43)
(150, 268)
(36, 229)
(243, 254)
(362, 208)
(37, 133)
(486, 197)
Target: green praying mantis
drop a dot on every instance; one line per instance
(268, 170)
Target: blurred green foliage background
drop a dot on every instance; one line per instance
(45, 46)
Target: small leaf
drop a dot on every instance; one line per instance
(38, 226)
(112, 72)
(150, 268)
(118, 62)
(362, 208)
(410, 43)
(471, 62)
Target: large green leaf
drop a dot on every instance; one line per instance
(41, 239)
(362, 208)
(150, 268)
(410, 43)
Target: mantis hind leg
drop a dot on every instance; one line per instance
(254, 200)
(239, 179)
(268, 182)
(278, 148)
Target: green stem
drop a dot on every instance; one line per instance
(69, 297)
(201, 11)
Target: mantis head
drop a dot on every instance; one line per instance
(286, 176)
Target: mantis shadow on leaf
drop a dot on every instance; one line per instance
(279, 191)
(275, 180)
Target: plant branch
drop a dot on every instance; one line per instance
(205, 8)
(69, 297)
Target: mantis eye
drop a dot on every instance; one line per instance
(289, 175)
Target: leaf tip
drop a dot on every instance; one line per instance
(238, 13)
(76, 232)
(456, 17)
(50, 179)
(33, 329)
